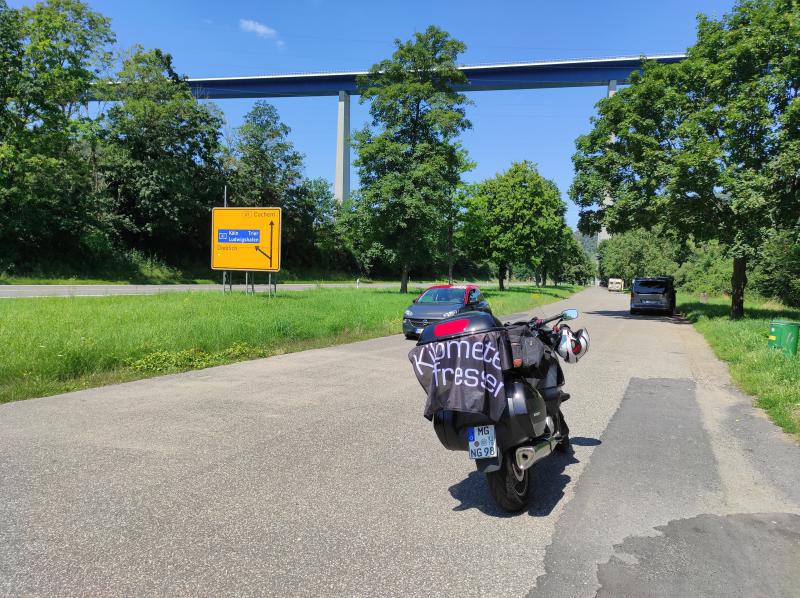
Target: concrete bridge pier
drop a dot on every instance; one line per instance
(608, 200)
(341, 187)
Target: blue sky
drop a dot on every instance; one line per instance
(247, 37)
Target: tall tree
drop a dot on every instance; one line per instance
(515, 217)
(11, 74)
(565, 260)
(50, 55)
(454, 220)
(709, 147)
(268, 165)
(67, 48)
(268, 171)
(332, 251)
(409, 160)
(11, 71)
(161, 157)
(579, 266)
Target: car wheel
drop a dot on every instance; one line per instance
(410, 337)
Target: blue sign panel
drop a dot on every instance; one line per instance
(237, 235)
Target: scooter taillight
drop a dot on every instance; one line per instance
(451, 327)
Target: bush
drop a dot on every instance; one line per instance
(774, 273)
(637, 252)
(708, 269)
(777, 271)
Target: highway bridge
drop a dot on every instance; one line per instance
(592, 72)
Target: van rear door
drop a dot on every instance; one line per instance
(651, 292)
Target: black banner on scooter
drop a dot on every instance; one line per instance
(463, 374)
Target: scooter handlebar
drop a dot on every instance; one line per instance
(569, 314)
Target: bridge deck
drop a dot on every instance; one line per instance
(530, 75)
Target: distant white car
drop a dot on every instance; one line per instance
(615, 284)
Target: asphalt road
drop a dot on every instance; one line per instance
(315, 474)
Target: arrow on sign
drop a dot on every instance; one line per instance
(268, 256)
(271, 224)
(259, 250)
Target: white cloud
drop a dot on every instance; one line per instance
(259, 29)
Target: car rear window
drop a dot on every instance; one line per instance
(442, 296)
(650, 286)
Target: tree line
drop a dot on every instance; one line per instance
(90, 186)
(107, 157)
(703, 267)
(707, 151)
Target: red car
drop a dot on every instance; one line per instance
(439, 302)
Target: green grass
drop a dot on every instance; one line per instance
(57, 344)
(769, 375)
(131, 267)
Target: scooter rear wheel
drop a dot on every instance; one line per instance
(510, 485)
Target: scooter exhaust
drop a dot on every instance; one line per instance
(528, 455)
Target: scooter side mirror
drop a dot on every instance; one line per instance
(569, 314)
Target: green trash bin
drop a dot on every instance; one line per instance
(783, 335)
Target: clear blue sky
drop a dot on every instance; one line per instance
(212, 38)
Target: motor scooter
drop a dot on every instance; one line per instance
(495, 392)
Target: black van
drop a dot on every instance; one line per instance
(656, 293)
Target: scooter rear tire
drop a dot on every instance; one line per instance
(564, 445)
(509, 485)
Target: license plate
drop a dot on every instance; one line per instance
(482, 443)
(418, 330)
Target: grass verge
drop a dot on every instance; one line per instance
(769, 375)
(52, 345)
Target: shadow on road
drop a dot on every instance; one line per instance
(624, 314)
(548, 481)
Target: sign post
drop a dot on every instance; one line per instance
(246, 239)
(224, 205)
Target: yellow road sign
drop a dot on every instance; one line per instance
(246, 239)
